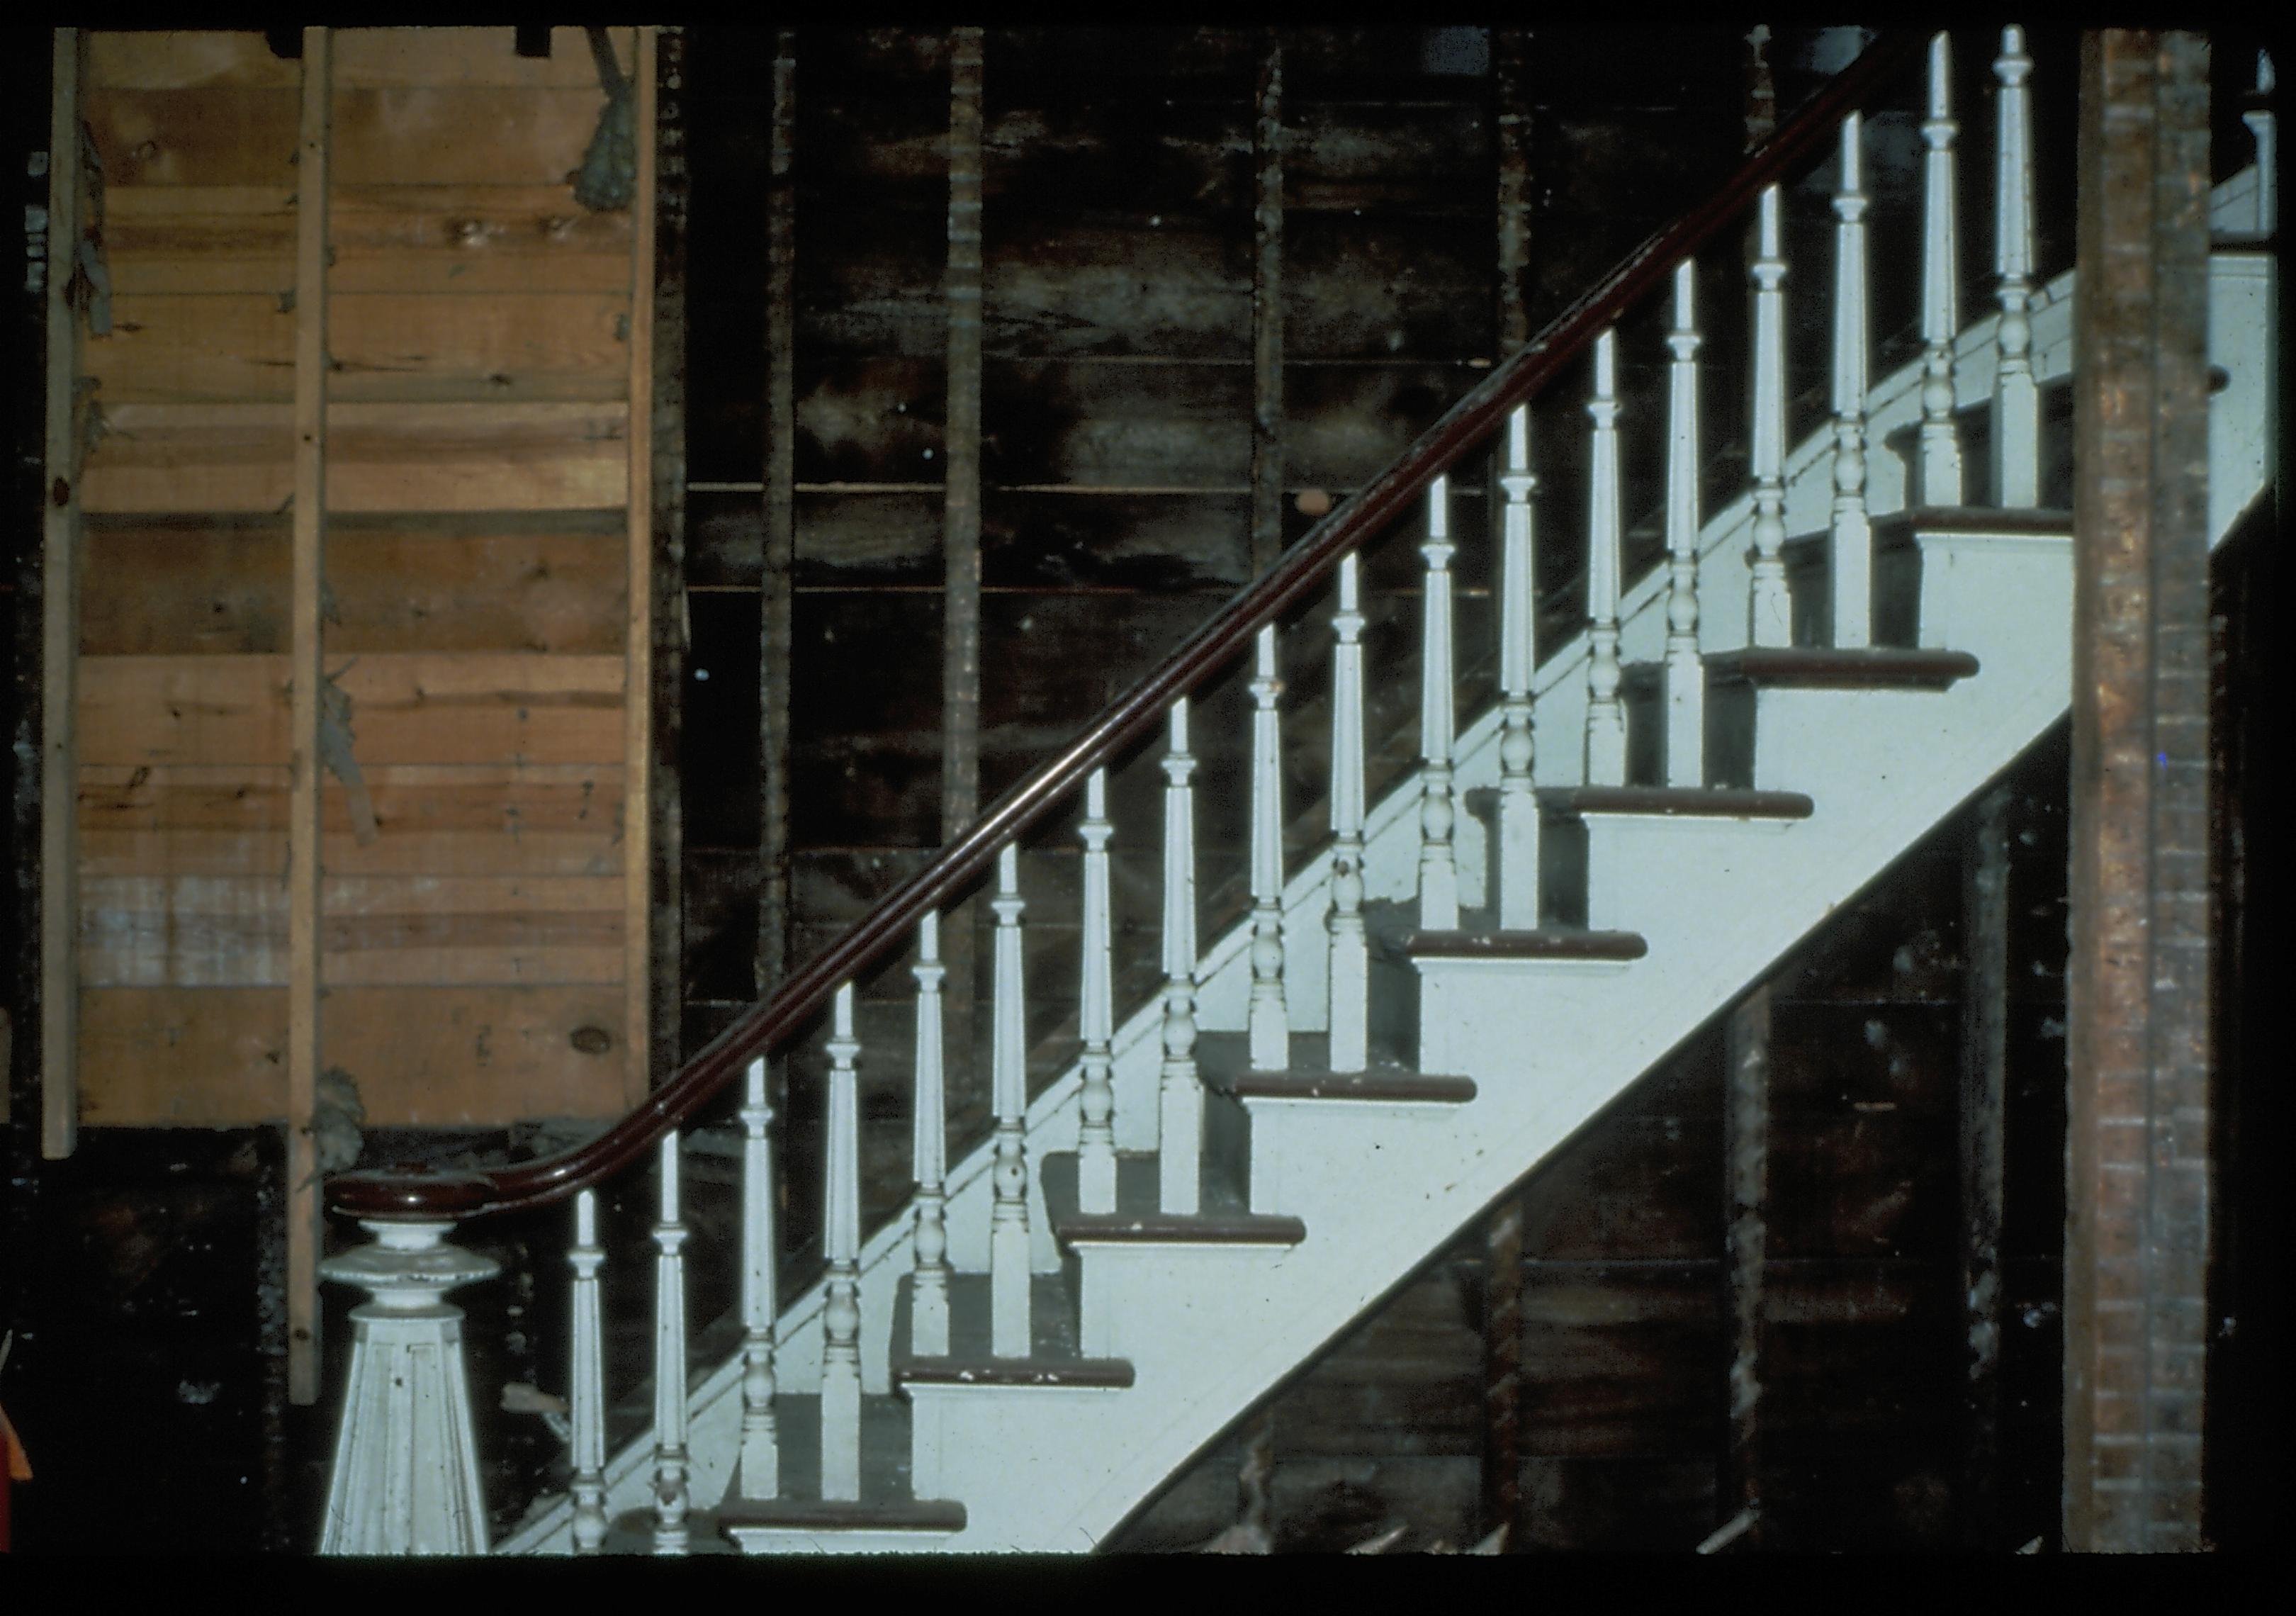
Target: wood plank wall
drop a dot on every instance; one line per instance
(475, 953)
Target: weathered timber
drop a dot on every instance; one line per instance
(1746, 1134)
(1268, 308)
(777, 619)
(1984, 1099)
(650, 842)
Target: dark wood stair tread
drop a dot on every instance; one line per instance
(975, 1371)
(1545, 943)
(1684, 801)
(1874, 667)
(1223, 1064)
(1974, 519)
(1218, 1227)
(838, 1515)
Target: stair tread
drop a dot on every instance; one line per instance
(1223, 1060)
(1224, 1220)
(1476, 942)
(1869, 667)
(1975, 519)
(991, 1371)
(1053, 1358)
(831, 1514)
(1720, 802)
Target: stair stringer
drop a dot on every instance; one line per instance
(2242, 288)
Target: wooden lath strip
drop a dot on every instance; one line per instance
(637, 837)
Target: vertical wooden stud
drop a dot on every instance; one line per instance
(1510, 83)
(638, 850)
(1268, 308)
(664, 497)
(960, 798)
(60, 634)
(304, 674)
(776, 590)
(1984, 1092)
(1746, 1134)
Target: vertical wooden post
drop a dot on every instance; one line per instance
(1939, 459)
(661, 59)
(2137, 978)
(1852, 542)
(1268, 308)
(305, 673)
(2016, 398)
(1511, 77)
(1746, 1144)
(960, 778)
(1984, 1092)
(638, 775)
(776, 595)
(60, 629)
(1605, 756)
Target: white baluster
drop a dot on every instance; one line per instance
(1769, 610)
(587, 1401)
(929, 1155)
(2262, 124)
(760, 1474)
(1180, 1100)
(1686, 677)
(840, 1313)
(1270, 1034)
(1008, 1221)
(1096, 1101)
(2016, 401)
(1940, 443)
(1439, 858)
(1350, 993)
(1606, 720)
(1516, 858)
(670, 1503)
(1850, 565)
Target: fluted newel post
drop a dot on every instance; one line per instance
(2016, 400)
(840, 1313)
(1515, 860)
(1179, 1100)
(1940, 468)
(2263, 124)
(1769, 610)
(759, 1477)
(405, 1480)
(1439, 858)
(1351, 996)
(1686, 675)
(1096, 1016)
(1850, 564)
(586, 1402)
(1008, 1220)
(670, 1503)
(1269, 1022)
(1606, 718)
(928, 1156)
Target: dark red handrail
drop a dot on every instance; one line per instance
(885, 931)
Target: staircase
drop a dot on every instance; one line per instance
(1635, 825)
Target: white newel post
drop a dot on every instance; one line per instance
(1686, 675)
(759, 1477)
(1350, 995)
(1606, 718)
(1769, 610)
(840, 1312)
(1850, 564)
(587, 1394)
(1097, 1011)
(671, 1533)
(1516, 858)
(928, 1156)
(407, 1469)
(1940, 441)
(1269, 1028)
(1439, 858)
(1180, 1099)
(2016, 400)
(1008, 1227)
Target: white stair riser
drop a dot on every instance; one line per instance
(1137, 1299)
(1641, 868)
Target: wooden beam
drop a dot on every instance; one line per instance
(664, 499)
(777, 597)
(1268, 308)
(2137, 986)
(960, 798)
(1511, 117)
(1745, 1134)
(305, 670)
(1984, 1095)
(60, 627)
(637, 710)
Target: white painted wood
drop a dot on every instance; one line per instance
(1516, 860)
(1350, 962)
(1438, 864)
(840, 1318)
(671, 1499)
(929, 1155)
(1769, 612)
(2263, 124)
(1180, 1098)
(1096, 1016)
(1270, 1028)
(1008, 1228)
(760, 1471)
(1685, 674)
(2016, 400)
(1606, 718)
(1940, 448)
(1850, 563)
(586, 1380)
(405, 1479)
